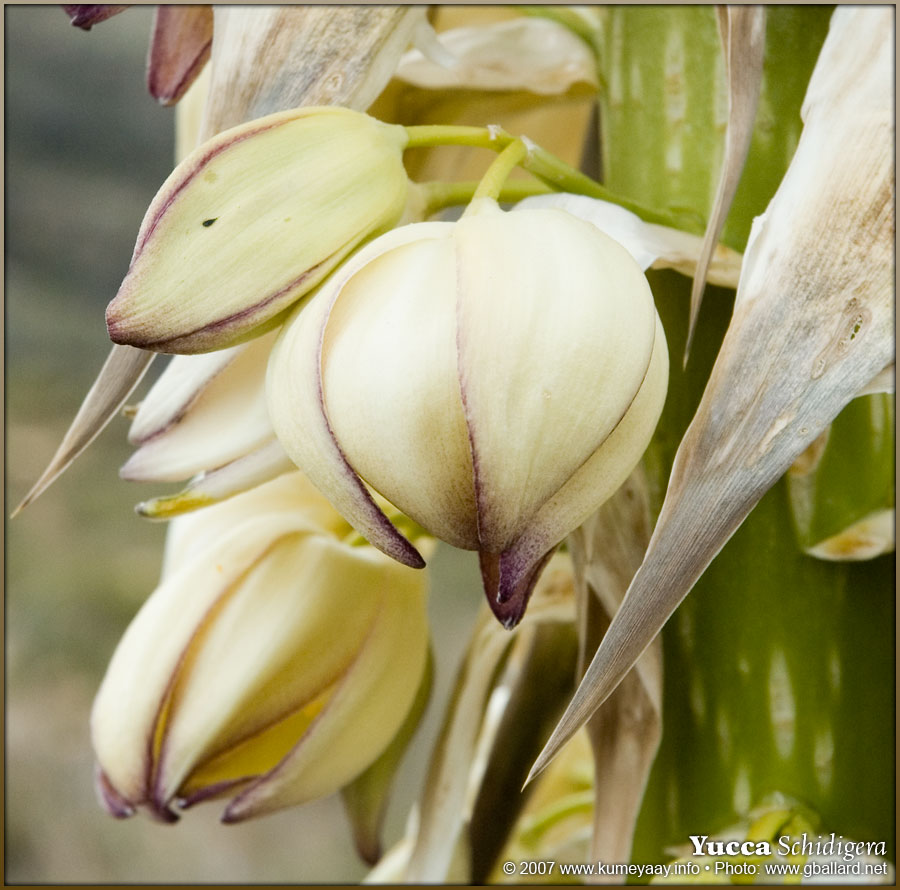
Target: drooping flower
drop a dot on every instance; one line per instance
(253, 220)
(274, 663)
(496, 379)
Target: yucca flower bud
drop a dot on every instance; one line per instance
(273, 664)
(496, 379)
(251, 221)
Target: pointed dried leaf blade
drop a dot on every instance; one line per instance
(120, 374)
(86, 15)
(624, 735)
(813, 324)
(179, 48)
(743, 30)
(269, 59)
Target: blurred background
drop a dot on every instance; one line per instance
(86, 150)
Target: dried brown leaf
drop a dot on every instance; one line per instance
(179, 48)
(268, 59)
(120, 374)
(812, 325)
(743, 30)
(625, 734)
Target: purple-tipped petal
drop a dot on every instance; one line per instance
(542, 390)
(162, 813)
(86, 15)
(109, 798)
(509, 581)
(179, 48)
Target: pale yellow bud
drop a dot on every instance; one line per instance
(496, 379)
(251, 221)
(273, 664)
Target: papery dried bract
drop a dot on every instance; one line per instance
(273, 663)
(86, 15)
(179, 49)
(813, 324)
(253, 220)
(496, 379)
(268, 58)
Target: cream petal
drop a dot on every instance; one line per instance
(389, 373)
(253, 220)
(532, 333)
(295, 399)
(204, 412)
(283, 636)
(149, 654)
(620, 224)
(651, 245)
(182, 382)
(598, 478)
(260, 465)
(291, 496)
(367, 707)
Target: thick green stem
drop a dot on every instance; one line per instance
(778, 666)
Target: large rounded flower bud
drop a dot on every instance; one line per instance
(496, 379)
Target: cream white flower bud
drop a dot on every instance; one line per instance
(273, 664)
(496, 379)
(253, 220)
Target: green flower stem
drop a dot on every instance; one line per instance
(539, 163)
(497, 174)
(439, 195)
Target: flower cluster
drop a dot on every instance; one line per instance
(488, 382)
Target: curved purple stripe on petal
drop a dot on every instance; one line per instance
(386, 537)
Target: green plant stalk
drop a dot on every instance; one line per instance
(539, 163)
(495, 176)
(850, 476)
(438, 195)
(777, 666)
